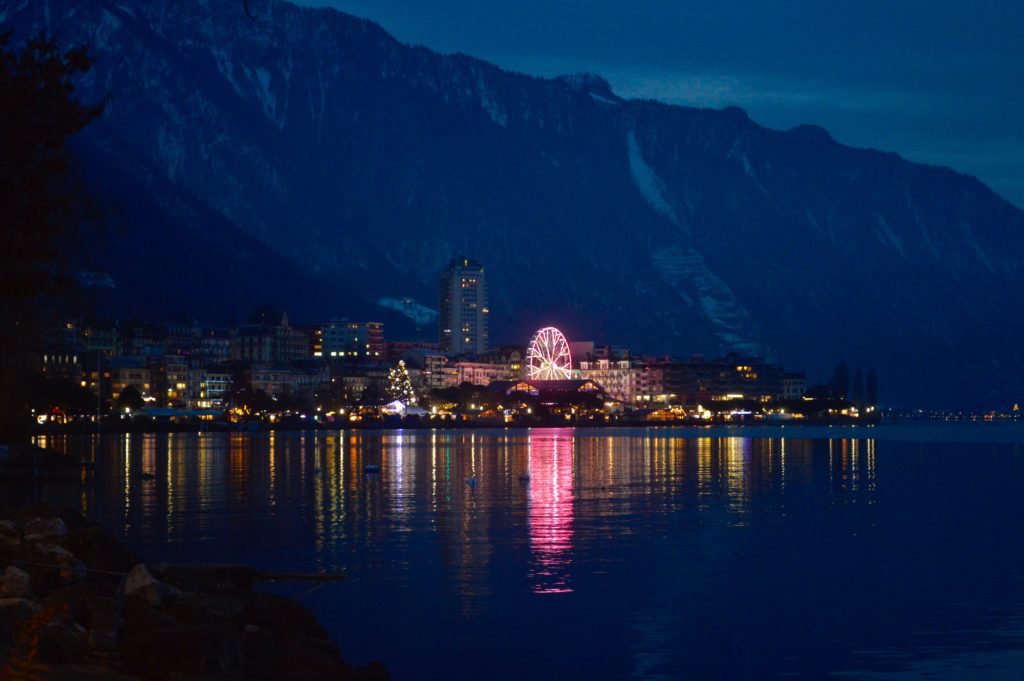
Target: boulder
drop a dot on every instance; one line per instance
(13, 613)
(256, 651)
(69, 565)
(15, 583)
(102, 620)
(99, 550)
(141, 584)
(38, 529)
(203, 650)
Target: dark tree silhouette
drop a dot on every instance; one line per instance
(858, 386)
(841, 379)
(130, 397)
(40, 203)
(872, 387)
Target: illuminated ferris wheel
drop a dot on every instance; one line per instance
(548, 357)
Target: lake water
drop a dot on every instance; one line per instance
(888, 552)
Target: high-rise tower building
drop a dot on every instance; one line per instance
(464, 313)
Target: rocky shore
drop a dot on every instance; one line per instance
(75, 604)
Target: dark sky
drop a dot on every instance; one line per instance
(939, 82)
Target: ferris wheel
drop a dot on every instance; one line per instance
(548, 357)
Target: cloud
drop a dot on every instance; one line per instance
(720, 90)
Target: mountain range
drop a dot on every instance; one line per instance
(307, 159)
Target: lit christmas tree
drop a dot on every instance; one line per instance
(399, 384)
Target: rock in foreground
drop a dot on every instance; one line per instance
(74, 604)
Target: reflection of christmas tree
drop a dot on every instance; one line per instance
(399, 384)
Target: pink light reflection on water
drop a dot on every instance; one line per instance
(550, 458)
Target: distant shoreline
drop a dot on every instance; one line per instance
(1006, 431)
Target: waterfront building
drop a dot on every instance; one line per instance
(183, 335)
(62, 353)
(142, 339)
(550, 389)
(176, 376)
(309, 380)
(274, 380)
(619, 378)
(463, 323)
(395, 350)
(269, 337)
(483, 373)
(432, 368)
(125, 371)
(341, 338)
(352, 382)
(218, 381)
(700, 380)
(215, 345)
(99, 337)
(253, 344)
(651, 382)
(793, 385)
(511, 356)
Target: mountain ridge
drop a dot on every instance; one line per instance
(368, 164)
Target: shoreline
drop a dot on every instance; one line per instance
(126, 426)
(981, 432)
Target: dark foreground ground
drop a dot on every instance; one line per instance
(75, 604)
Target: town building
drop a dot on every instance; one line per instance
(395, 350)
(619, 378)
(99, 337)
(510, 356)
(432, 368)
(560, 387)
(793, 385)
(129, 371)
(269, 337)
(482, 373)
(463, 322)
(215, 345)
(731, 377)
(142, 339)
(347, 339)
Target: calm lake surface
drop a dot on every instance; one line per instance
(888, 552)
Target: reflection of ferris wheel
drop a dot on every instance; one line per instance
(548, 358)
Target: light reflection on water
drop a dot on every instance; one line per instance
(550, 464)
(698, 557)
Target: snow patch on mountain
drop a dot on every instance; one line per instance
(226, 67)
(886, 234)
(261, 79)
(490, 103)
(647, 181)
(420, 314)
(688, 274)
(604, 100)
(737, 154)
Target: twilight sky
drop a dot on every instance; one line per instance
(938, 82)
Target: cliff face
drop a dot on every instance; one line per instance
(361, 165)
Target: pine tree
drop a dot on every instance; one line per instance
(872, 387)
(400, 385)
(43, 206)
(858, 386)
(841, 379)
